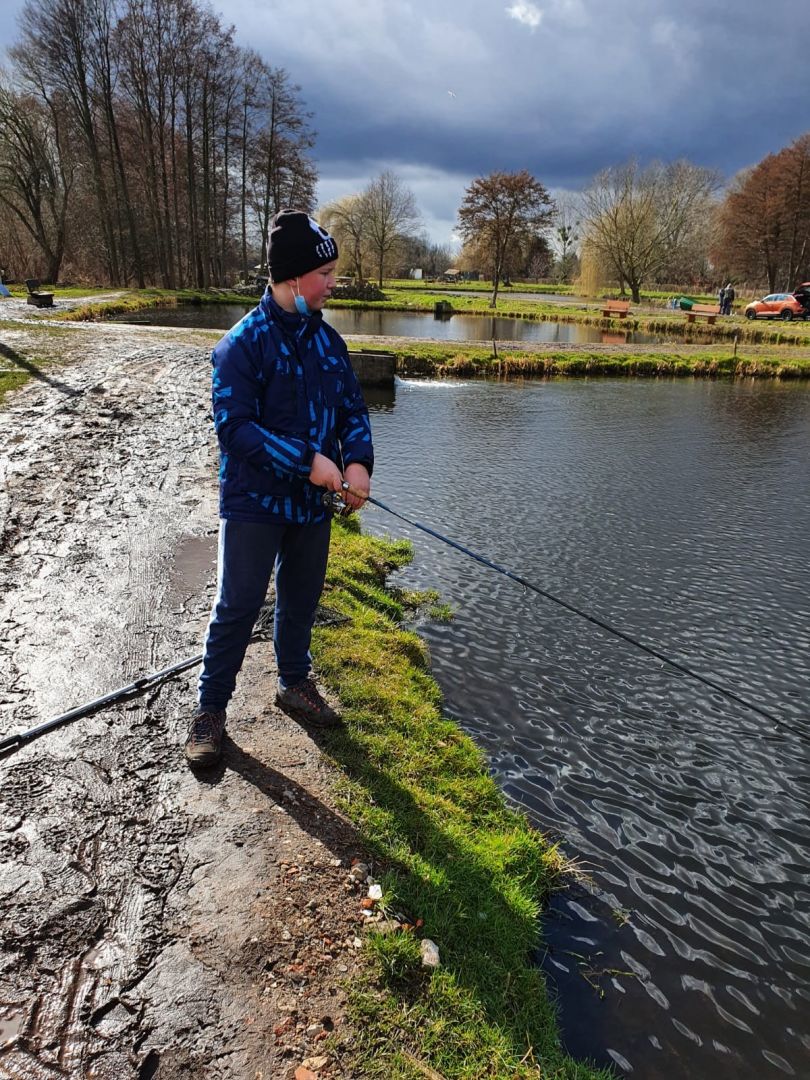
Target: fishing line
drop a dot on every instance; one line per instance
(717, 687)
(11, 743)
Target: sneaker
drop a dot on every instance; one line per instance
(204, 743)
(304, 702)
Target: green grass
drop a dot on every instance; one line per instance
(63, 292)
(17, 367)
(456, 360)
(419, 296)
(556, 290)
(472, 286)
(141, 299)
(449, 851)
(11, 380)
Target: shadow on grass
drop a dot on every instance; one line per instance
(486, 938)
(31, 369)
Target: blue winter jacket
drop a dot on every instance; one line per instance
(283, 389)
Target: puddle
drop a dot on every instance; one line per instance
(11, 1024)
(194, 564)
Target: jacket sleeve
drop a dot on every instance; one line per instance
(236, 395)
(354, 429)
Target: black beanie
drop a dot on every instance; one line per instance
(297, 245)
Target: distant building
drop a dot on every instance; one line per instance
(460, 275)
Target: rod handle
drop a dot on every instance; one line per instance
(354, 491)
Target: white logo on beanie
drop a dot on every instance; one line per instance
(326, 250)
(313, 224)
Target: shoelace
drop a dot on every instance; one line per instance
(206, 726)
(310, 691)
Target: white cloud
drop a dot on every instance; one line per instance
(525, 13)
(438, 193)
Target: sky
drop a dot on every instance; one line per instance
(442, 91)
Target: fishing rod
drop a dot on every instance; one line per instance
(13, 742)
(334, 500)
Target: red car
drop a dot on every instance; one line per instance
(781, 305)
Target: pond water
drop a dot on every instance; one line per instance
(678, 512)
(406, 324)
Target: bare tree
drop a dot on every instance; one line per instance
(420, 252)
(390, 213)
(499, 212)
(35, 180)
(54, 57)
(284, 130)
(346, 219)
(565, 238)
(250, 81)
(189, 143)
(634, 218)
(101, 17)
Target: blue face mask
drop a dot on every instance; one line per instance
(301, 306)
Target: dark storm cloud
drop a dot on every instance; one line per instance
(563, 87)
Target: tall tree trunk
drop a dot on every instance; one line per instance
(104, 70)
(205, 255)
(798, 194)
(243, 183)
(173, 135)
(195, 265)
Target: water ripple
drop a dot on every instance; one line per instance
(677, 511)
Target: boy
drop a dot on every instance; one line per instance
(292, 425)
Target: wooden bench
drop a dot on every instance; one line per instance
(709, 312)
(619, 308)
(35, 297)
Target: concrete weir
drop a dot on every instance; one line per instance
(373, 367)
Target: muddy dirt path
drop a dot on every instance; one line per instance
(152, 924)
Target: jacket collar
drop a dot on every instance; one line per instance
(295, 325)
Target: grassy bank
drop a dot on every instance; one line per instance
(456, 360)
(143, 299)
(450, 851)
(647, 295)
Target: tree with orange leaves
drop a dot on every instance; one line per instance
(764, 224)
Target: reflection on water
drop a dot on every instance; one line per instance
(405, 324)
(380, 398)
(471, 328)
(677, 511)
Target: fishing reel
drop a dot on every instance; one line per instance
(334, 502)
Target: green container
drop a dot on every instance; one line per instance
(685, 304)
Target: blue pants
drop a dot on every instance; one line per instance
(248, 553)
